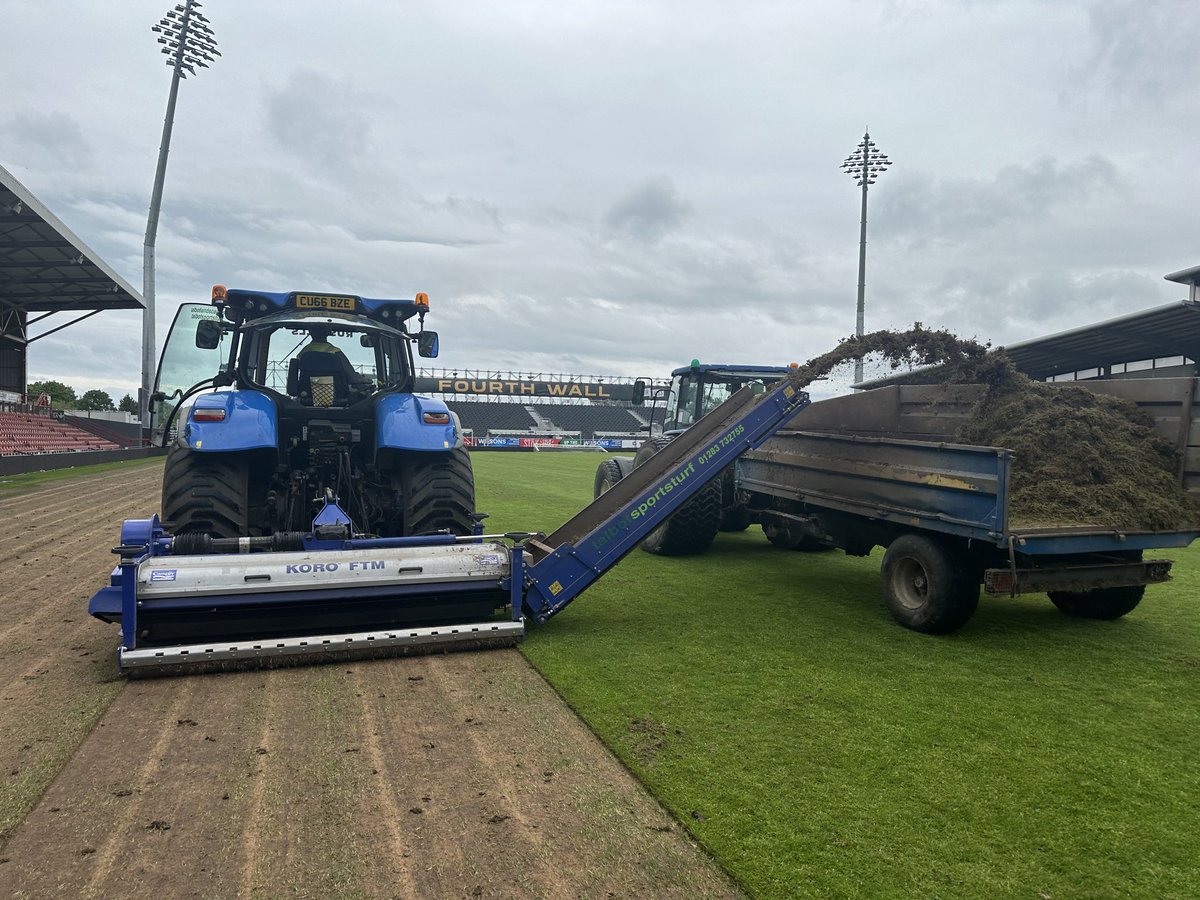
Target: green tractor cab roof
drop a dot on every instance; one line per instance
(256, 304)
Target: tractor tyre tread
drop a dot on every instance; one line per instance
(608, 473)
(439, 493)
(692, 528)
(205, 493)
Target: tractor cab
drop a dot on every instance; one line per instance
(697, 389)
(305, 351)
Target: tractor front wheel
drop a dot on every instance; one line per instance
(608, 473)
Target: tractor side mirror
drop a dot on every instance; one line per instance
(366, 340)
(639, 393)
(208, 334)
(427, 344)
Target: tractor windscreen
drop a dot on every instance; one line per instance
(184, 364)
(367, 359)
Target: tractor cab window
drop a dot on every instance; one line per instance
(716, 393)
(326, 363)
(681, 403)
(720, 386)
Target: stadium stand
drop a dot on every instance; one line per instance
(493, 418)
(120, 433)
(25, 434)
(586, 421)
(589, 421)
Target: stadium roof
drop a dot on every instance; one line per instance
(1164, 331)
(1172, 330)
(45, 268)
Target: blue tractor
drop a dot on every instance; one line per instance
(274, 404)
(694, 391)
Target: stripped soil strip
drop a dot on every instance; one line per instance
(461, 775)
(57, 666)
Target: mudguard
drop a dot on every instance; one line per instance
(250, 422)
(400, 424)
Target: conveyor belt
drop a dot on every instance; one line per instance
(610, 503)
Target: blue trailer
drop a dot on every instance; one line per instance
(880, 468)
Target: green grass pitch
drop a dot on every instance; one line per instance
(819, 750)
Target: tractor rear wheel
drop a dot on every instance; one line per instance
(439, 493)
(1104, 603)
(205, 493)
(691, 528)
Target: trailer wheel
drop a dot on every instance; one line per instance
(735, 518)
(439, 492)
(927, 585)
(608, 473)
(786, 539)
(1104, 603)
(205, 493)
(691, 528)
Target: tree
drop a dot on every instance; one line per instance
(61, 395)
(129, 405)
(95, 399)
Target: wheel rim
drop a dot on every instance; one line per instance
(911, 583)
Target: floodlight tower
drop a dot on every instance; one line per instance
(188, 42)
(864, 165)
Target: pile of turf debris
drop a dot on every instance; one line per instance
(1080, 458)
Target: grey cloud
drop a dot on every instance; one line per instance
(923, 208)
(1005, 303)
(32, 136)
(649, 211)
(484, 156)
(321, 121)
(1143, 52)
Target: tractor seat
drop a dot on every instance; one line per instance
(318, 379)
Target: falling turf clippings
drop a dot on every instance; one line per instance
(919, 346)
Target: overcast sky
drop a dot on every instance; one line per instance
(616, 188)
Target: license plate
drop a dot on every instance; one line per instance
(324, 301)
